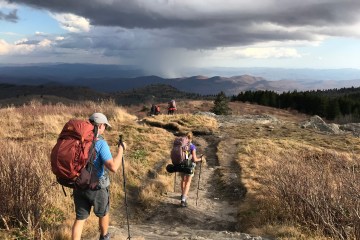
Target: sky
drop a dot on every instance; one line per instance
(164, 37)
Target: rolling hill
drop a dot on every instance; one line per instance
(113, 78)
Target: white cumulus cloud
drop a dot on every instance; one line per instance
(4, 47)
(6, 4)
(72, 22)
(24, 46)
(263, 53)
(45, 43)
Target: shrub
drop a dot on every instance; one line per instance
(321, 191)
(23, 186)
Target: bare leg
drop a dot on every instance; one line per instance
(185, 185)
(104, 224)
(182, 185)
(77, 229)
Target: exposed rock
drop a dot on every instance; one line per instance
(352, 127)
(257, 119)
(317, 123)
(210, 114)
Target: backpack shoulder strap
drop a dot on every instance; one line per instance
(92, 148)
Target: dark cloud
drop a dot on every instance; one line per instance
(144, 30)
(209, 24)
(28, 42)
(221, 35)
(321, 13)
(165, 14)
(11, 16)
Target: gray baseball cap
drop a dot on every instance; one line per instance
(99, 118)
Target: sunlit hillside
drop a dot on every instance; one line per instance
(262, 174)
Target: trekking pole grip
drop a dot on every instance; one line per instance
(120, 142)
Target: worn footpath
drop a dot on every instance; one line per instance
(210, 214)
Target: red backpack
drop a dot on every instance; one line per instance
(69, 157)
(180, 151)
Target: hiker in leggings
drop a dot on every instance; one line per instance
(186, 178)
(98, 199)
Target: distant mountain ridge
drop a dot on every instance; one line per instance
(113, 78)
(213, 85)
(11, 94)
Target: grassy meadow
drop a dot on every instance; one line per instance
(34, 205)
(300, 184)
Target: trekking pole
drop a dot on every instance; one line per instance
(197, 192)
(123, 167)
(174, 181)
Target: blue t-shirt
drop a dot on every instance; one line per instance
(103, 154)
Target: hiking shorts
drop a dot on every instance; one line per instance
(85, 199)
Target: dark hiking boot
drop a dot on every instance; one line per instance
(106, 237)
(183, 204)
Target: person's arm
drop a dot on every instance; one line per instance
(194, 157)
(114, 163)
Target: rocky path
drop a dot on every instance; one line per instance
(213, 215)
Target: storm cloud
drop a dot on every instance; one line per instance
(158, 32)
(215, 23)
(11, 16)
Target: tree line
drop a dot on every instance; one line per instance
(342, 105)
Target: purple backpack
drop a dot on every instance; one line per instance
(180, 150)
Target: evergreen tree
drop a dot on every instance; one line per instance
(332, 104)
(221, 105)
(333, 109)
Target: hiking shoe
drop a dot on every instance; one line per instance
(106, 237)
(183, 204)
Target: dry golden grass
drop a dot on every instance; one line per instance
(184, 122)
(32, 130)
(260, 150)
(183, 107)
(238, 108)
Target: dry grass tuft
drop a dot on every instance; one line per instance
(155, 188)
(24, 188)
(184, 122)
(298, 178)
(317, 190)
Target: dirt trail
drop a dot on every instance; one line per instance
(214, 216)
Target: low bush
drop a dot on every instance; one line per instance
(23, 192)
(320, 191)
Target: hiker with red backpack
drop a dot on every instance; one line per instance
(157, 110)
(186, 177)
(154, 110)
(171, 107)
(99, 199)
